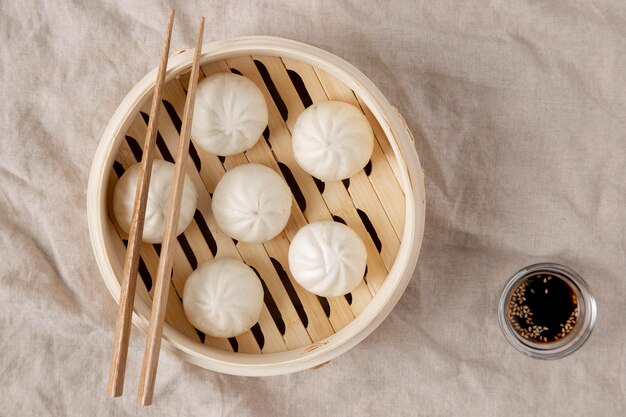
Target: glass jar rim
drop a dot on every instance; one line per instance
(583, 328)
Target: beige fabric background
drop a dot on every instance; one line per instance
(519, 113)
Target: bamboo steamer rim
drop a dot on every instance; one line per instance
(411, 181)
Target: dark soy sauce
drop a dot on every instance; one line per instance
(543, 308)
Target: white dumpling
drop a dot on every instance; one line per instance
(327, 258)
(251, 203)
(223, 298)
(158, 200)
(230, 114)
(332, 140)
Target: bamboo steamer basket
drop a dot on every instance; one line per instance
(384, 204)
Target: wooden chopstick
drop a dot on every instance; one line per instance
(131, 261)
(159, 304)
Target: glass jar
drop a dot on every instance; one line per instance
(575, 336)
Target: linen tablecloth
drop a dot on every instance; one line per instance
(519, 114)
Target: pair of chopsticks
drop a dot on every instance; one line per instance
(131, 262)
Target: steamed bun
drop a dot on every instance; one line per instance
(230, 114)
(223, 298)
(158, 200)
(327, 258)
(251, 203)
(332, 140)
